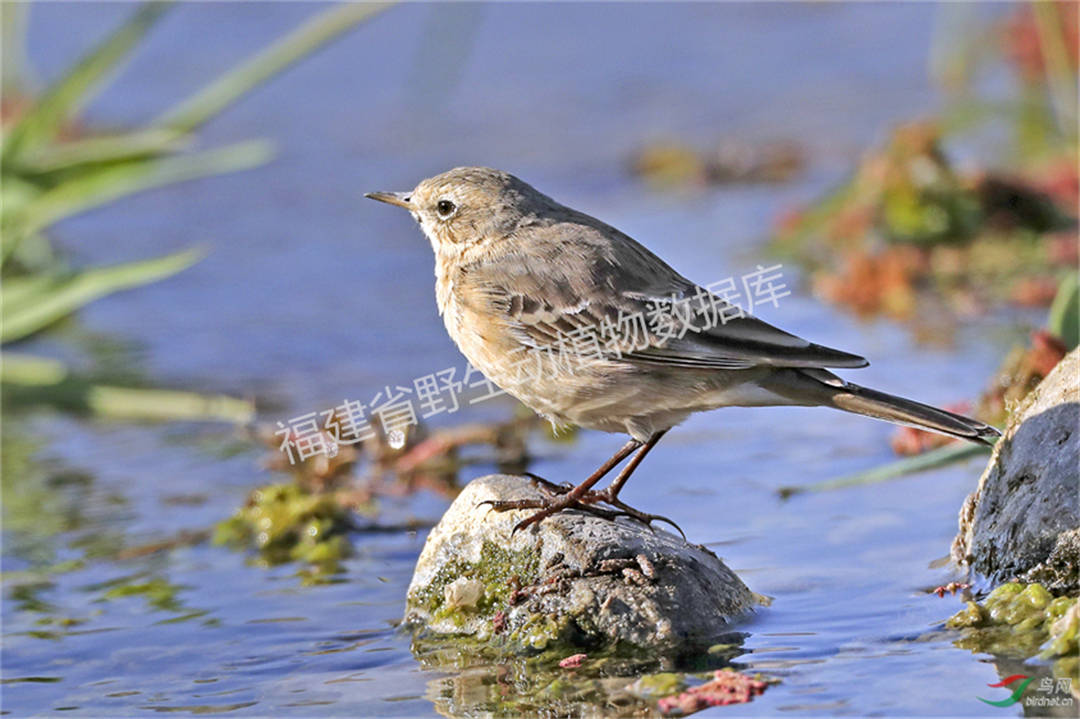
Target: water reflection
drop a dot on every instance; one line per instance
(473, 682)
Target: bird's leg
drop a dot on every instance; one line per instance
(610, 495)
(593, 478)
(568, 498)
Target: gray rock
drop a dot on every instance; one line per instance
(1022, 520)
(573, 580)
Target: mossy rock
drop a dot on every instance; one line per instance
(574, 581)
(1023, 519)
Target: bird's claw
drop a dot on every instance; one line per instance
(625, 510)
(661, 518)
(549, 507)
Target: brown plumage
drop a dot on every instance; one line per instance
(519, 277)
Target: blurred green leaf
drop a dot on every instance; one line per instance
(37, 380)
(952, 47)
(29, 370)
(12, 46)
(15, 193)
(16, 291)
(100, 150)
(130, 403)
(162, 404)
(35, 254)
(38, 303)
(1036, 133)
(1060, 76)
(1064, 319)
(112, 182)
(224, 91)
(61, 101)
(45, 180)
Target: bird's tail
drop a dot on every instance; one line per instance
(870, 402)
(829, 390)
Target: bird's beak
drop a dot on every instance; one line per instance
(401, 199)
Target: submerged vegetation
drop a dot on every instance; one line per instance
(330, 494)
(287, 524)
(1023, 621)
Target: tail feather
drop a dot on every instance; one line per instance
(821, 387)
(870, 402)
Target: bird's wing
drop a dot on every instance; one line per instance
(638, 308)
(734, 341)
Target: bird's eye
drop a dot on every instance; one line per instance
(445, 208)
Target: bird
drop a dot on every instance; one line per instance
(520, 277)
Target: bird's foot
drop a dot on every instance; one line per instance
(547, 508)
(555, 502)
(625, 510)
(561, 500)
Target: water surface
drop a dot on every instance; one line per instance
(311, 295)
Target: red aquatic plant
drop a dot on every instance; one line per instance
(726, 687)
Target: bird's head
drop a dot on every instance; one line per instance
(468, 206)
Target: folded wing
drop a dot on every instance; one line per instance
(614, 289)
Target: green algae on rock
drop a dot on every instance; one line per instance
(497, 576)
(574, 581)
(1023, 621)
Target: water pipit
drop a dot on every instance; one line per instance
(587, 327)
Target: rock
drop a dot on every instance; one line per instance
(574, 580)
(1023, 519)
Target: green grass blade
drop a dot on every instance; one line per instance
(31, 371)
(15, 194)
(112, 182)
(61, 101)
(224, 91)
(15, 291)
(161, 405)
(99, 150)
(1060, 76)
(933, 459)
(33, 381)
(1064, 319)
(36, 310)
(13, 65)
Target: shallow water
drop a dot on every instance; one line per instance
(311, 294)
